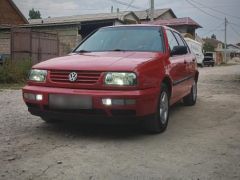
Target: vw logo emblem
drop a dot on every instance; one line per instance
(72, 76)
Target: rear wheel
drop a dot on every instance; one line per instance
(191, 98)
(158, 123)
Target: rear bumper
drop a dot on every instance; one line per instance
(145, 103)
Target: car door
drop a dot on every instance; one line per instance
(189, 63)
(178, 69)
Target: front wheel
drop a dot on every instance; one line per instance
(158, 123)
(191, 98)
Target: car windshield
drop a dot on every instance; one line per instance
(208, 54)
(124, 39)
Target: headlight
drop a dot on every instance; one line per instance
(121, 79)
(37, 75)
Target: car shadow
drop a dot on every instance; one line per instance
(78, 129)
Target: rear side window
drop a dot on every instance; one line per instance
(171, 39)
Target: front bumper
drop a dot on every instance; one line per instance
(145, 102)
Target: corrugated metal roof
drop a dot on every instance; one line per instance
(143, 15)
(81, 18)
(175, 22)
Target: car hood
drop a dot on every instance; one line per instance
(100, 61)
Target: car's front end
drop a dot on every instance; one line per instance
(100, 80)
(93, 93)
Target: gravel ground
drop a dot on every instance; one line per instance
(201, 142)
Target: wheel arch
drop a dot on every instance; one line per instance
(196, 76)
(166, 80)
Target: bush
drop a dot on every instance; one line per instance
(15, 72)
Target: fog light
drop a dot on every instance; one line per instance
(107, 102)
(29, 96)
(39, 97)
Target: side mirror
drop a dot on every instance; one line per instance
(179, 50)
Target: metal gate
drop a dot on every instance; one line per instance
(35, 45)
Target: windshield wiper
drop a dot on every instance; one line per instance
(118, 50)
(82, 51)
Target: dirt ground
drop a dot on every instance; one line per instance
(201, 142)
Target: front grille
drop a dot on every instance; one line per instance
(83, 77)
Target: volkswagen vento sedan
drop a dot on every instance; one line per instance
(122, 72)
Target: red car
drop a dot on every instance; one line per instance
(122, 72)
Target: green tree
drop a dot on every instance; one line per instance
(214, 36)
(34, 14)
(208, 47)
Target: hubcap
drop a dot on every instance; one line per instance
(163, 107)
(194, 89)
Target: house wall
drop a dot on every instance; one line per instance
(166, 15)
(185, 29)
(5, 42)
(9, 15)
(68, 36)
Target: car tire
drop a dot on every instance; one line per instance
(158, 123)
(191, 98)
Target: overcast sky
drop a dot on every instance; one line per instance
(212, 20)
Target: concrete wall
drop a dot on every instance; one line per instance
(5, 42)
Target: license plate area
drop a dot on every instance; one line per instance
(69, 102)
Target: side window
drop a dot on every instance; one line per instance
(179, 39)
(171, 39)
(186, 44)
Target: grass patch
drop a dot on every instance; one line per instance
(14, 73)
(12, 86)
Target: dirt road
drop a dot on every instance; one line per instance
(201, 142)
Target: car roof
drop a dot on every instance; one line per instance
(141, 25)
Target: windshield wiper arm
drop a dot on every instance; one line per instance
(82, 51)
(117, 50)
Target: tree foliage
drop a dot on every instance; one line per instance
(214, 36)
(34, 14)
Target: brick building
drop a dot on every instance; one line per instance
(10, 15)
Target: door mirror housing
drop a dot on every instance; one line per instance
(179, 50)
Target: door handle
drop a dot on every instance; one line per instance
(194, 60)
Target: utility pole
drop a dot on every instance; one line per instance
(225, 40)
(152, 9)
(111, 9)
